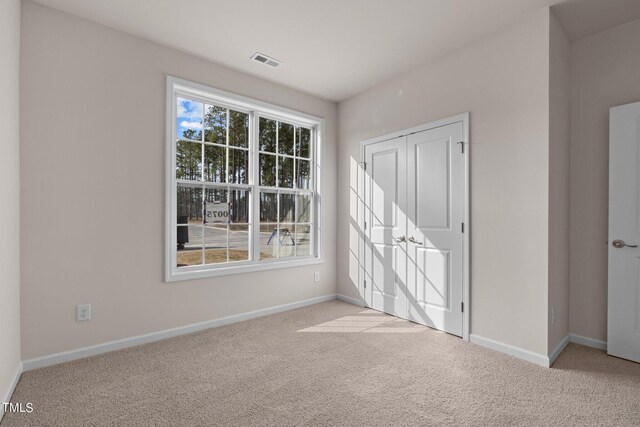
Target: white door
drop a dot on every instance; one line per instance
(624, 233)
(414, 209)
(385, 259)
(435, 213)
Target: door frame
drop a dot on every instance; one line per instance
(466, 251)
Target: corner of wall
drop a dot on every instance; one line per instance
(10, 196)
(559, 187)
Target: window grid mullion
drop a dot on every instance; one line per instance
(228, 223)
(289, 156)
(277, 184)
(215, 144)
(287, 190)
(255, 180)
(223, 185)
(295, 196)
(227, 180)
(251, 182)
(203, 196)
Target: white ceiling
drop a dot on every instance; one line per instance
(333, 48)
(582, 18)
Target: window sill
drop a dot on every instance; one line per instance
(174, 275)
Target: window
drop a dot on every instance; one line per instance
(243, 184)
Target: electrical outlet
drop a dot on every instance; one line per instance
(316, 276)
(553, 316)
(83, 312)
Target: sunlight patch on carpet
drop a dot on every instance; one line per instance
(375, 324)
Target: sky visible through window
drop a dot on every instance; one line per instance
(188, 117)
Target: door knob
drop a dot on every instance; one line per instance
(616, 244)
(413, 240)
(400, 239)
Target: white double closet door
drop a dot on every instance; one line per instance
(414, 211)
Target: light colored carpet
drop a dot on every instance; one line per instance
(328, 364)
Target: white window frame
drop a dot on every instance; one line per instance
(256, 109)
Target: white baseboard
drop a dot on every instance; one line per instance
(54, 359)
(12, 387)
(559, 349)
(355, 301)
(589, 342)
(536, 358)
(520, 353)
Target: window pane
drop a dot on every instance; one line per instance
(267, 170)
(189, 203)
(267, 135)
(189, 160)
(285, 172)
(303, 240)
(286, 240)
(215, 244)
(182, 232)
(215, 195)
(188, 119)
(238, 166)
(303, 208)
(215, 234)
(214, 163)
(285, 138)
(239, 206)
(215, 124)
(268, 241)
(189, 250)
(287, 207)
(303, 142)
(239, 242)
(238, 129)
(303, 174)
(268, 207)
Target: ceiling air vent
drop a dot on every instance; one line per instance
(266, 60)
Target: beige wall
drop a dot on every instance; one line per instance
(605, 70)
(503, 81)
(93, 144)
(559, 123)
(9, 194)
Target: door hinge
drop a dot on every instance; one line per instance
(365, 225)
(462, 306)
(365, 284)
(461, 146)
(463, 227)
(364, 165)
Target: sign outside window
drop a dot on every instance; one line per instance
(216, 213)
